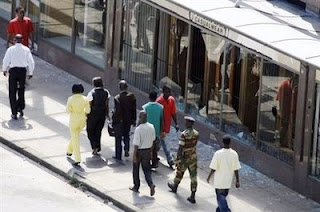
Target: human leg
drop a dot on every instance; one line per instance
(13, 92)
(99, 127)
(135, 173)
(91, 130)
(21, 77)
(166, 151)
(126, 140)
(118, 139)
(222, 201)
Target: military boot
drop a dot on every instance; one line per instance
(192, 197)
(173, 187)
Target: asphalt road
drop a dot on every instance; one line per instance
(24, 186)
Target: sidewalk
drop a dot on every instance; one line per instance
(43, 134)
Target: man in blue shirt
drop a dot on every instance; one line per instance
(155, 117)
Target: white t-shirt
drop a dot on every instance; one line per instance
(224, 162)
(144, 135)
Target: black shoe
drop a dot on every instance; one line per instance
(76, 164)
(69, 154)
(126, 154)
(14, 117)
(95, 151)
(192, 200)
(154, 166)
(152, 190)
(134, 189)
(171, 163)
(173, 187)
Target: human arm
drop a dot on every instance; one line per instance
(210, 174)
(9, 39)
(174, 117)
(30, 65)
(69, 106)
(6, 62)
(236, 173)
(136, 143)
(107, 108)
(87, 107)
(134, 111)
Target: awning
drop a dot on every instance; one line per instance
(277, 30)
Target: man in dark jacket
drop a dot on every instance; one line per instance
(124, 115)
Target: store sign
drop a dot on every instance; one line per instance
(208, 24)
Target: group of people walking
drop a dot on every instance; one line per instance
(151, 131)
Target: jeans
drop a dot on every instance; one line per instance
(222, 201)
(166, 151)
(143, 157)
(120, 133)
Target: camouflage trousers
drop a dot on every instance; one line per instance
(189, 163)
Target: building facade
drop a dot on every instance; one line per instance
(230, 79)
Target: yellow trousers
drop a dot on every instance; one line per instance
(75, 126)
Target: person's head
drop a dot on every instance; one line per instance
(77, 88)
(142, 116)
(18, 38)
(20, 12)
(123, 85)
(189, 121)
(166, 89)
(226, 140)
(97, 82)
(153, 96)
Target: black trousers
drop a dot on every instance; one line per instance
(143, 159)
(17, 80)
(95, 123)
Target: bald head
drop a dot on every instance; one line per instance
(142, 116)
(123, 85)
(18, 38)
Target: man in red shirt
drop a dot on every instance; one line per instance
(20, 25)
(169, 111)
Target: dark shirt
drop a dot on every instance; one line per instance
(99, 98)
(125, 109)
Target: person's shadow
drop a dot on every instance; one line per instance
(17, 125)
(96, 161)
(75, 167)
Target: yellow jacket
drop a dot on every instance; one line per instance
(78, 106)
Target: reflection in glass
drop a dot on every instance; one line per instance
(33, 12)
(139, 22)
(315, 144)
(90, 28)
(204, 82)
(241, 92)
(172, 57)
(5, 9)
(278, 111)
(56, 22)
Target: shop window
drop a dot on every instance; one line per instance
(204, 83)
(90, 29)
(56, 22)
(278, 112)
(5, 9)
(172, 57)
(240, 94)
(315, 144)
(137, 47)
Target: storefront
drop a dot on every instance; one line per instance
(234, 75)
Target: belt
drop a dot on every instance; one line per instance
(144, 149)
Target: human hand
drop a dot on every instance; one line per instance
(29, 76)
(162, 135)
(177, 127)
(134, 159)
(208, 179)
(237, 184)
(5, 73)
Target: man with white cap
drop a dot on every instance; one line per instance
(18, 61)
(187, 158)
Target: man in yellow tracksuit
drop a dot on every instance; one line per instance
(78, 106)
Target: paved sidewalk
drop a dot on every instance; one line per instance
(43, 134)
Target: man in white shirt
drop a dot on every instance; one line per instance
(17, 61)
(224, 164)
(143, 139)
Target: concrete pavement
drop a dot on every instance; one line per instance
(43, 135)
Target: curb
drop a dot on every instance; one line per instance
(58, 171)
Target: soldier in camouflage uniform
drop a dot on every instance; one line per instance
(187, 158)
